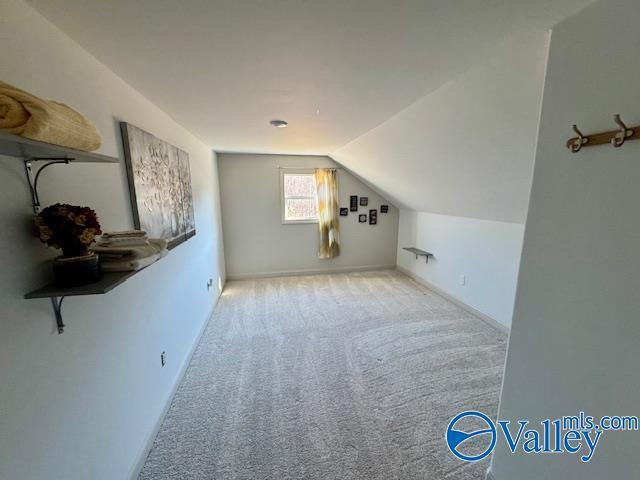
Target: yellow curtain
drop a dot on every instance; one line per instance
(327, 188)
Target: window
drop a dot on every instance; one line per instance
(299, 202)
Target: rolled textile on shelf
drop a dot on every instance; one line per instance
(45, 120)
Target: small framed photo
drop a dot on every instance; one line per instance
(353, 203)
(384, 208)
(362, 218)
(373, 217)
(364, 201)
(344, 212)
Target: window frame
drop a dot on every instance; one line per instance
(293, 171)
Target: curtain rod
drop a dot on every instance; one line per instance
(307, 168)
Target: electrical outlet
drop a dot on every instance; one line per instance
(163, 359)
(463, 279)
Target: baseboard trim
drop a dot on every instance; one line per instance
(292, 273)
(492, 322)
(144, 453)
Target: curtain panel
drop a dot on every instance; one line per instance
(328, 209)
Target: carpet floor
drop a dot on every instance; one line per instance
(349, 376)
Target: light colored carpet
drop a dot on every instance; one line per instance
(345, 376)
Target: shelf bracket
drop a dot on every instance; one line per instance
(57, 310)
(32, 178)
(426, 257)
(419, 253)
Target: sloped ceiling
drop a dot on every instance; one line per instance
(466, 149)
(334, 69)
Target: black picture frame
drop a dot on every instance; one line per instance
(384, 208)
(373, 217)
(362, 218)
(344, 212)
(364, 201)
(353, 203)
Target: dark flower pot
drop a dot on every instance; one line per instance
(76, 271)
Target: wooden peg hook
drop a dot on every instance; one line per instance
(623, 133)
(617, 138)
(577, 143)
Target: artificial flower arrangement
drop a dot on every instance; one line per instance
(71, 229)
(67, 227)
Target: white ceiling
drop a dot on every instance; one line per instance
(334, 69)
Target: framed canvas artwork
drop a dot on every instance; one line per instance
(344, 212)
(159, 185)
(362, 219)
(353, 203)
(384, 208)
(364, 201)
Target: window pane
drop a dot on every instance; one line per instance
(300, 209)
(299, 185)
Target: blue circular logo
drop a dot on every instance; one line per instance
(456, 439)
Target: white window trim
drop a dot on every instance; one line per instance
(292, 171)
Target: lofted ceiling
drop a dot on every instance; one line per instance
(466, 149)
(334, 69)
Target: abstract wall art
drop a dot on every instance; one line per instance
(159, 185)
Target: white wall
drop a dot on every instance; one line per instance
(574, 341)
(256, 241)
(463, 157)
(467, 148)
(485, 252)
(83, 404)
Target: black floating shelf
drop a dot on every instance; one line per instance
(419, 253)
(30, 151)
(108, 282)
(25, 148)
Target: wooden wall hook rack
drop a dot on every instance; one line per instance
(616, 138)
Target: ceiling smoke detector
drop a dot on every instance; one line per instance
(278, 123)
